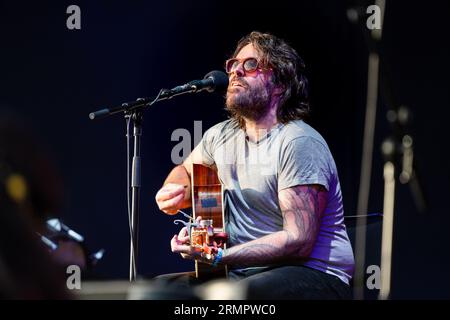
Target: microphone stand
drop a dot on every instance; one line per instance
(134, 111)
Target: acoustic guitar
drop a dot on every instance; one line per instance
(207, 202)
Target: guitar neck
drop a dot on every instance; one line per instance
(207, 202)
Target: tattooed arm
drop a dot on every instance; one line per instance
(302, 207)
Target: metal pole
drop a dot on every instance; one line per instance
(366, 160)
(388, 227)
(135, 187)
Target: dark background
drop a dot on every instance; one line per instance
(54, 77)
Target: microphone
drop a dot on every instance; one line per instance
(214, 81)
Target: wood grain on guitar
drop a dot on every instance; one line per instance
(207, 202)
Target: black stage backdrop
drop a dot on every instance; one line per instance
(54, 77)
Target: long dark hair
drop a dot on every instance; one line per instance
(289, 72)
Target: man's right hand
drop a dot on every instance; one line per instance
(170, 198)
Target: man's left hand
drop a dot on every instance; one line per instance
(180, 243)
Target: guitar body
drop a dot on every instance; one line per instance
(207, 202)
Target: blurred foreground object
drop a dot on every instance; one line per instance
(29, 187)
(68, 247)
(152, 290)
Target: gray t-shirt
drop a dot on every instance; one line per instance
(253, 173)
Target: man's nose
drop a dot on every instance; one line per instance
(239, 71)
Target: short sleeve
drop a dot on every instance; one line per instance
(206, 146)
(304, 160)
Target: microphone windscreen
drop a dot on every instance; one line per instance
(220, 80)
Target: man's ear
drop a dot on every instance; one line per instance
(278, 90)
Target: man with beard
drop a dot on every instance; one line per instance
(284, 211)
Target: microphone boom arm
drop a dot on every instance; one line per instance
(130, 106)
(215, 80)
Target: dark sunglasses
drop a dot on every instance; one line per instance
(248, 64)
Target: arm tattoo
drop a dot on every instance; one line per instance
(301, 207)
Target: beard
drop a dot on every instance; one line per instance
(247, 102)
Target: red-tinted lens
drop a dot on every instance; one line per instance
(231, 65)
(250, 64)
